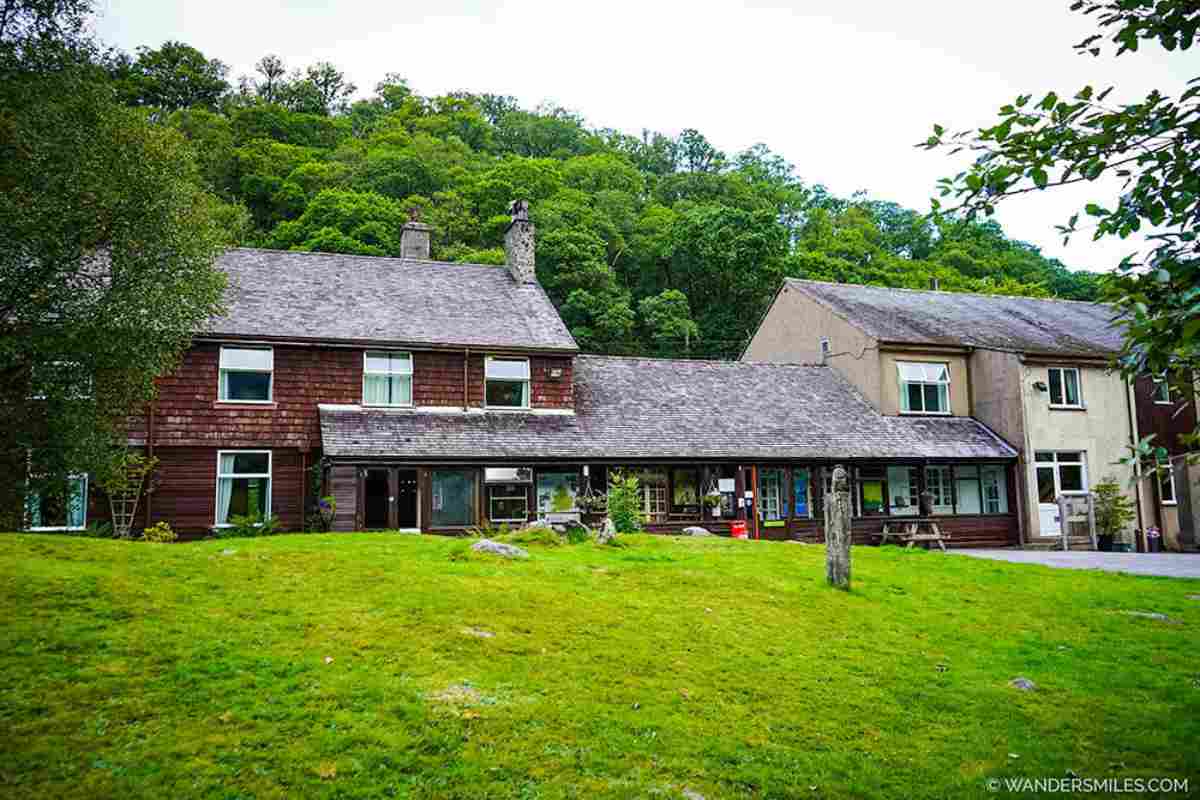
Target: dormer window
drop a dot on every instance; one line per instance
(507, 382)
(387, 378)
(246, 374)
(924, 388)
(1064, 388)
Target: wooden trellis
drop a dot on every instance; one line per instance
(123, 485)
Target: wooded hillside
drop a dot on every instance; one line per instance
(648, 244)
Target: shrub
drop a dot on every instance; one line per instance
(624, 503)
(244, 526)
(97, 530)
(159, 532)
(1114, 510)
(539, 535)
(322, 519)
(577, 534)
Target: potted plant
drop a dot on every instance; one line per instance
(712, 502)
(1114, 511)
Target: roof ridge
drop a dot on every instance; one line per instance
(790, 279)
(728, 361)
(414, 261)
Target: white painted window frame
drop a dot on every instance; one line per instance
(1063, 382)
(527, 395)
(86, 488)
(904, 384)
(221, 370)
(1170, 481)
(269, 475)
(390, 372)
(1161, 386)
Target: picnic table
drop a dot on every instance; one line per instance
(910, 531)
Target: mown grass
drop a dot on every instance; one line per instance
(361, 666)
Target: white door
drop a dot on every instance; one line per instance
(1057, 473)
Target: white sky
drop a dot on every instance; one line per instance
(842, 89)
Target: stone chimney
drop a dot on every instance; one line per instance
(414, 237)
(518, 244)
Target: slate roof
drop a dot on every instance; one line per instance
(1018, 324)
(631, 408)
(286, 295)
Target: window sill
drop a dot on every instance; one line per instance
(1053, 407)
(1164, 502)
(387, 405)
(1164, 402)
(508, 408)
(927, 413)
(264, 404)
(54, 528)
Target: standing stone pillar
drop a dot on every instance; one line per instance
(837, 531)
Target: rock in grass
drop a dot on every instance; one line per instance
(607, 532)
(479, 633)
(695, 530)
(499, 549)
(692, 794)
(1152, 615)
(1024, 684)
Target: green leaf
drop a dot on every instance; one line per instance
(1039, 177)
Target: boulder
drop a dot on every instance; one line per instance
(695, 530)
(499, 549)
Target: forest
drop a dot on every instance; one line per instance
(648, 244)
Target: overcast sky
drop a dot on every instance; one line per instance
(842, 90)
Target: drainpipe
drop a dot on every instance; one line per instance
(1137, 465)
(466, 382)
(150, 455)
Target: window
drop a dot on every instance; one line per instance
(508, 502)
(800, 496)
(773, 494)
(939, 484)
(967, 495)
(387, 378)
(924, 388)
(507, 383)
(1064, 387)
(243, 484)
(453, 502)
(904, 491)
(685, 491)
(245, 374)
(995, 488)
(1162, 391)
(1167, 485)
(50, 512)
(1060, 473)
(556, 492)
(871, 491)
(653, 486)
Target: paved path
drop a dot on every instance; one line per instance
(1171, 565)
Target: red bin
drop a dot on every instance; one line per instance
(737, 529)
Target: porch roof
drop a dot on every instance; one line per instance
(645, 409)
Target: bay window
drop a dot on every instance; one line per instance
(387, 378)
(939, 483)
(904, 489)
(994, 483)
(924, 388)
(243, 485)
(506, 382)
(246, 374)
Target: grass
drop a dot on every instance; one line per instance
(368, 665)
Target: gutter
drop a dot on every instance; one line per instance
(378, 344)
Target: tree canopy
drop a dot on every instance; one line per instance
(648, 244)
(1150, 147)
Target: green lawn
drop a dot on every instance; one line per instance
(359, 666)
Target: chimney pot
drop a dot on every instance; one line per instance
(519, 244)
(414, 240)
